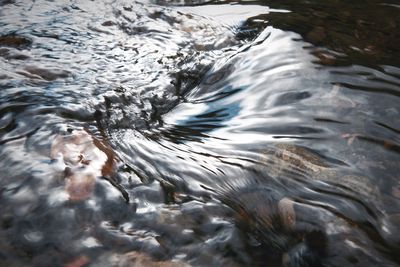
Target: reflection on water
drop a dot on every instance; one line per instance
(199, 134)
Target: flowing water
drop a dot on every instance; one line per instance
(254, 133)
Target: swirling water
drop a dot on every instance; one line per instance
(138, 133)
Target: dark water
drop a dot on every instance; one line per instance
(199, 133)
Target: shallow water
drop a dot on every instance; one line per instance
(199, 133)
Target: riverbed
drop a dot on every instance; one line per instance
(199, 133)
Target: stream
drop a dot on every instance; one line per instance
(199, 133)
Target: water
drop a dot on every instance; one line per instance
(199, 133)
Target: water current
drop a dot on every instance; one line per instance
(199, 133)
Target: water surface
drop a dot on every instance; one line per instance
(199, 133)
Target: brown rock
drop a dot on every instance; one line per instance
(140, 259)
(45, 74)
(303, 161)
(85, 158)
(360, 185)
(79, 187)
(287, 213)
(317, 35)
(14, 41)
(396, 190)
(78, 262)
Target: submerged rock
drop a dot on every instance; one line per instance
(85, 159)
(15, 41)
(287, 212)
(139, 259)
(295, 162)
(270, 218)
(45, 74)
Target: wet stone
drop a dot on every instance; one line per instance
(396, 190)
(303, 165)
(317, 35)
(306, 164)
(11, 54)
(299, 156)
(15, 41)
(139, 259)
(45, 74)
(108, 23)
(81, 261)
(287, 212)
(85, 158)
(268, 216)
(361, 185)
